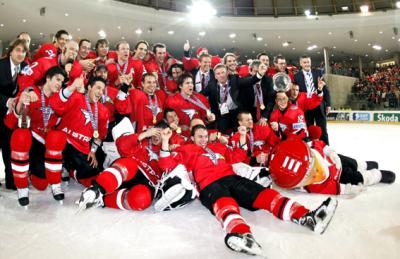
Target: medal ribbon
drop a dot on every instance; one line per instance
(214, 158)
(94, 119)
(196, 101)
(46, 111)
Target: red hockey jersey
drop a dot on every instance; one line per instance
(187, 110)
(207, 167)
(140, 110)
(190, 64)
(291, 121)
(171, 87)
(260, 139)
(133, 65)
(305, 103)
(331, 185)
(144, 152)
(108, 101)
(34, 73)
(47, 50)
(39, 131)
(75, 119)
(162, 70)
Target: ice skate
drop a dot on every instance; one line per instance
(91, 197)
(23, 197)
(318, 219)
(387, 176)
(243, 243)
(57, 192)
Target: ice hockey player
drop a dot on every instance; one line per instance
(37, 148)
(85, 120)
(222, 191)
(320, 169)
(131, 181)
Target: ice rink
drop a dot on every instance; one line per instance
(366, 226)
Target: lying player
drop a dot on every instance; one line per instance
(320, 169)
(222, 191)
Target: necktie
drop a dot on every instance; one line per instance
(225, 86)
(203, 81)
(16, 71)
(310, 89)
(14, 78)
(258, 109)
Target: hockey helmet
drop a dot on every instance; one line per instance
(291, 164)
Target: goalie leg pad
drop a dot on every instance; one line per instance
(176, 190)
(122, 128)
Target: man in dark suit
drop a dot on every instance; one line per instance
(259, 100)
(10, 66)
(204, 74)
(308, 80)
(223, 95)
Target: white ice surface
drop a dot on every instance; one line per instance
(367, 226)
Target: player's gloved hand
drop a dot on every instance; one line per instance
(351, 189)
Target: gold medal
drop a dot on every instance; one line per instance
(262, 106)
(154, 119)
(179, 130)
(96, 134)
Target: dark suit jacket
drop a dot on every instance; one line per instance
(194, 73)
(248, 97)
(300, 80)
(7, 86)
(237, 87)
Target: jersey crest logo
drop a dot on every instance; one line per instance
(189, 112)
(259, 143)
(158, 109)
(50, 53)
(87, 116)
(214, 159)
(282, 126)
(152, 155)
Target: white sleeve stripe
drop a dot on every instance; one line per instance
(62, 96)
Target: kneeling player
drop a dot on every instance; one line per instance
(320, 169)
(37, 147)
(222, 191)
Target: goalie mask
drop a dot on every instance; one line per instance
(293, 164)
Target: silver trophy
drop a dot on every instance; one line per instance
(282, 82)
